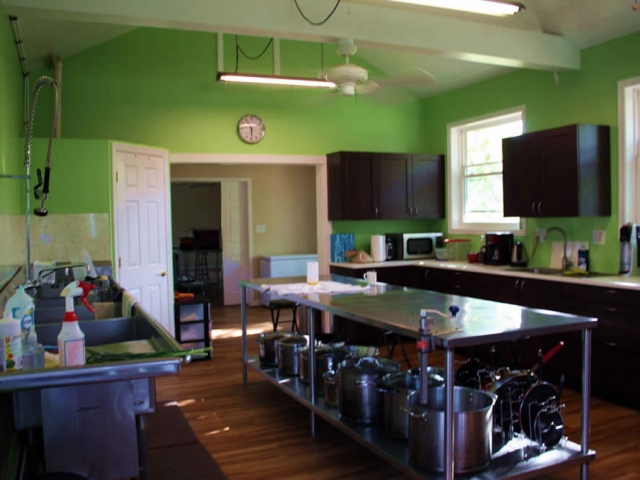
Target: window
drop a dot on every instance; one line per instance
(475, 173)
(629, 132)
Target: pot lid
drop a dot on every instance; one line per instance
(294, 340)
(365, 365)
(273, 336)
(320, 351)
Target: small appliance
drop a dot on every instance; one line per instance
(414, 246)
(518, 255)
(391, 247)
(499, 246)
(628, 240)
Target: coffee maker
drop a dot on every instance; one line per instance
(629, 234)
(498, 248)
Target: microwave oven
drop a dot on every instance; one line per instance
(413, 246)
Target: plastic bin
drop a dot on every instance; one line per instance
(457, 249)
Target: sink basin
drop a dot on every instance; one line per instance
(556, 271)
(55, 314)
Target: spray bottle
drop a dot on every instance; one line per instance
(71, 338)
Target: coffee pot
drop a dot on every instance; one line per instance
(518, 255)
(627, 244)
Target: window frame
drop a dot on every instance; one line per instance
(629, 154)
(456, 141)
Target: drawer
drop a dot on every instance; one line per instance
(192, 312)
(619, 297)
(194, 331)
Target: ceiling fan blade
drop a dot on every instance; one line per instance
(367, 87)
(422, 78)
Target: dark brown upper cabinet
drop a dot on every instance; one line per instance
(369, 186)
(561, 172)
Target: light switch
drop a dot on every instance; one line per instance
(261, 229)
(598, 237)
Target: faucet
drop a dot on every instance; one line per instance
(565, 261)
(35, 284)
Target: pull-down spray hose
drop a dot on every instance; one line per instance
(41, 195)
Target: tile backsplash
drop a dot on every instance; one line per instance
(55, 237)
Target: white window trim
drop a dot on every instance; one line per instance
(628, 162)
(455, 179)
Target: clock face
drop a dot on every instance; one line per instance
(251, 129)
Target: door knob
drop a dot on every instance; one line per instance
(163, 273)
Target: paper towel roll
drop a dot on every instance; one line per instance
(378, 247)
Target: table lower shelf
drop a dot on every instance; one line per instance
(514, 460)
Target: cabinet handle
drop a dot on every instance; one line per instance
(612, 292)
(533, 207)
(611, 344)
(522, 286)
(516, 285)
(415, 211)
(612, 309)
(456, 286)
(426, 273)
(539, 208)
(376, 212)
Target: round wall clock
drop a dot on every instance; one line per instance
(251, 129)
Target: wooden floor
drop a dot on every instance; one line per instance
(255, 431)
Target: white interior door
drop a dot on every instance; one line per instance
(236, 263)
(142, 230)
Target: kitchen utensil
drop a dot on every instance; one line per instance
(288, 354)
(626, 249)
(269, 347)
(371, 277)
(398, 388)
(361, 399)
(518, 255)
(548, 356)
(472, 423)
(548, 427)
(473, 257)
(326, 359)
(540, 396)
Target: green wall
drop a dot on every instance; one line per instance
(80, 175)
(586, 96)
(11, 121)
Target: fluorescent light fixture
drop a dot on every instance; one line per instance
(274, 80)
(485, 7)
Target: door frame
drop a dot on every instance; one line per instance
(249, 199)
(323, 225)
(139, 149)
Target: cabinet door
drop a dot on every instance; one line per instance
(361, 202)
(561, 189)
(391, 180)
(523, 176)
(426, 189)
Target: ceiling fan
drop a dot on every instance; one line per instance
(352, 79)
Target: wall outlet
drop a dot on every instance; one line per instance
(540, 232)
(598, 237)
(261, 229)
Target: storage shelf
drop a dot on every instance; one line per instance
(511, 461)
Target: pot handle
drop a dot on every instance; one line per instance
(369, 360)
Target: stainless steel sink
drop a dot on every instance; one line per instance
(557, 272)
(54, 314)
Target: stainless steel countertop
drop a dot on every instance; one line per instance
(398, 309)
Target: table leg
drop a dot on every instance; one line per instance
(243, 310)
(312, 367)
(141, 427)
(586, 393)
(448, 416)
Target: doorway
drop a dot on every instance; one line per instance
(211, 235)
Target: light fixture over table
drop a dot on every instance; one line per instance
(484, 7)
(274, 80)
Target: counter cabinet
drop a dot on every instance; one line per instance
(397, 309)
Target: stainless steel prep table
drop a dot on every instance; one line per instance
(478, 322)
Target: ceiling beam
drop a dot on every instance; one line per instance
(369, 25)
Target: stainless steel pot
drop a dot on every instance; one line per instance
(269, 347)
(326, 359)
(473, 425)
(331, 395)
(288, 354)
(398, 388)
(361, 398)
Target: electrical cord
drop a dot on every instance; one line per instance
(249, 57)
(322, 22)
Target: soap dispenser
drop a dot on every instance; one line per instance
(71, 337)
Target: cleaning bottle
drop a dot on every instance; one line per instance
(71, 338)
(21, 307)
(10, 343)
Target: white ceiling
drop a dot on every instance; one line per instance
(459, 49)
